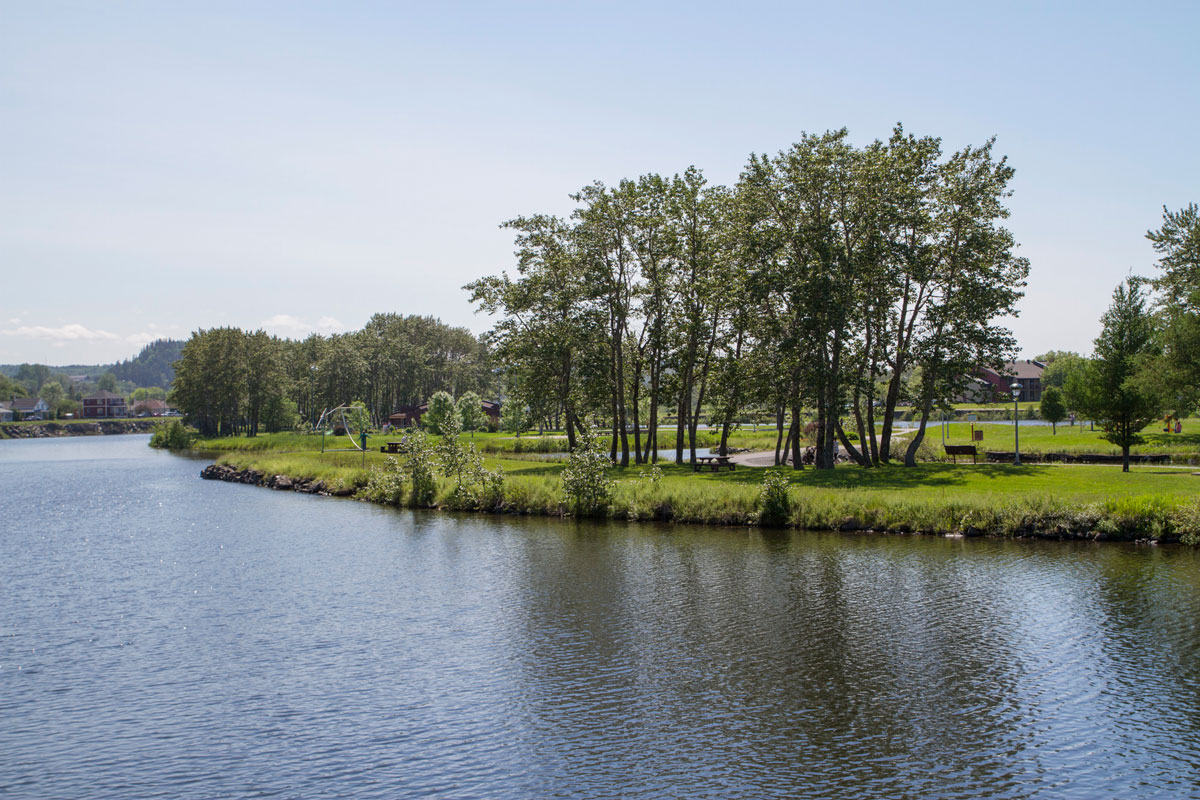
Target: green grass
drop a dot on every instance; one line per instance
(998, 499)
(1068, 439)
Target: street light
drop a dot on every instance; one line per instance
(312, 410)
(1016, 393)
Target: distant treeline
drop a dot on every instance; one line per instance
(230, 381)
(152, 366)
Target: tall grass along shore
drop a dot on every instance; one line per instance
(1070, 502)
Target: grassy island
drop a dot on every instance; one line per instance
(1160, 503)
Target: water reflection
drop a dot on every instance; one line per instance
(169, 637)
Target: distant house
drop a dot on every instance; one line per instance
(1027, 373)
(410, 416)
(6, 412)
(150, 407)
(29, 408)
(104, 404)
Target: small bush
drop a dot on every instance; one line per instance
(1185, 521)
(419, 469)
(774, 502)
(173, 435)
(385, 484)
(587, 485)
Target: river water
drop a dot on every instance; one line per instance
(164, 636)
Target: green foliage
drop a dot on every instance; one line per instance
(774, 502)
(514, 419)
(107, 382)
(1185, 521)
(441, 409)
(147, 393)
(1115, 389)
(418, 467)
(1177, 369)
(586, 479)
(172, 435)
(386, 484)
(34, 375)
(152, 366)
(1052, 408)
(827, 277)
(280, 413)
(1061, 368)
(470, 412)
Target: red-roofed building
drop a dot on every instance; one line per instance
(104, 404)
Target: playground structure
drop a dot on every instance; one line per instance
(333, 418)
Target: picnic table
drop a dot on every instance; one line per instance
(716, 462)
(390, 447)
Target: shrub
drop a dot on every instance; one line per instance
(419, 469)
(173, 435)
(386, 484)
(587, 485)
(1185, 521)
(774, 502)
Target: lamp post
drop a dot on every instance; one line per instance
(312, 410)
(1016, 393)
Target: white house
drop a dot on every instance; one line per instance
(29, 408)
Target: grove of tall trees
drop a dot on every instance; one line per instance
(831, 280)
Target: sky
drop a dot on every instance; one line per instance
(299, 166)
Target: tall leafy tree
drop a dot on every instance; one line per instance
(1115, 389)
(1177, 242)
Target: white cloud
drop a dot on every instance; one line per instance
(141, 338)
(288, 325)
(73, 332)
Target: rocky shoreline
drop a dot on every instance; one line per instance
(103, 427)
(252, 477)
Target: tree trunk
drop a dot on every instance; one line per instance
(910, 455)
(797, 456)
(1125, 458)
(637, 422)
(851, 450)
(779, 437)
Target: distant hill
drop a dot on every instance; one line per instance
(152, 366)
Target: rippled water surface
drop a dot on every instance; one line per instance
(163, 636)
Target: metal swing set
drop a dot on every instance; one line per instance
(330, 417)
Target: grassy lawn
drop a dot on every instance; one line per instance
(1077, 439)
(995, 498)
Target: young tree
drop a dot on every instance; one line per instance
(1052, 408)
(1114, 390)
(515, 419)
(441, 408)
(1178, 244)
(470, 412)
(52, 392)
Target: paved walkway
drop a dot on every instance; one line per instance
(760, 458)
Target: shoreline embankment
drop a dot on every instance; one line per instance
(54, 429)
(1133, 520)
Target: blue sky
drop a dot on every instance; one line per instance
(299, 166)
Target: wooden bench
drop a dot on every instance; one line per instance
(956, 450)
(390, 447)
(716, 462)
